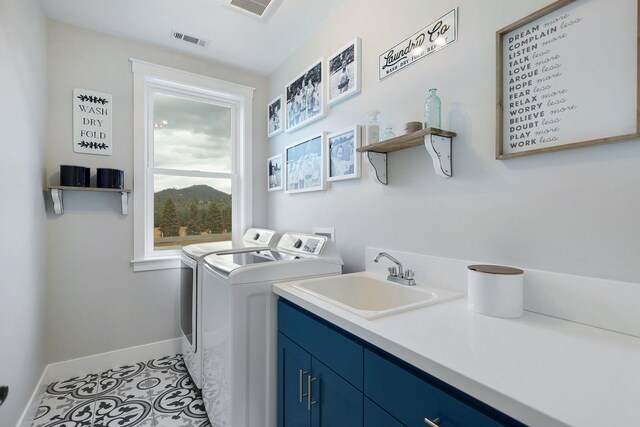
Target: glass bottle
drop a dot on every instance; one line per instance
(388, 134)
(432, 106)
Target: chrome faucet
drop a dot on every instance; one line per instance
(396, 274)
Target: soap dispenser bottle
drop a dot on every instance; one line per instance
(372, 129)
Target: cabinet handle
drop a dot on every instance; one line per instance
(310, 400)
(434, 423)
(302, 373)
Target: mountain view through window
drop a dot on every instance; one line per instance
(192, 172)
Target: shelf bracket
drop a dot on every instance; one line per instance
(125, 202)
(378, 164)
(56, 198)
(439, 148)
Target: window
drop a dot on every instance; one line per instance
(191, 162)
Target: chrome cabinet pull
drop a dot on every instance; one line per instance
(310, 400)
(302, 373)
(434, 423)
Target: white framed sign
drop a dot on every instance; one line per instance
(435, 36)
(562, 84)
(92, 122)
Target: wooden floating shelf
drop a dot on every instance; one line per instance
(405, 141)
(57, 190)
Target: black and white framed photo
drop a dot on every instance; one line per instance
(274, 171)
(345, 69)
(304, 162)
(274, 120)
(304, 98)
(343, 162)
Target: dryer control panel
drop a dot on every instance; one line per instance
(302, 243)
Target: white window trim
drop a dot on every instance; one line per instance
(145, 75)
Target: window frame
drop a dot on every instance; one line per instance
(149, 79)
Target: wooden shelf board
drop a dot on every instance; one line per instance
(109, 190)
(405, 141)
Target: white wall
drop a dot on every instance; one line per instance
(574, 211)
(96, 303)
(22, 265)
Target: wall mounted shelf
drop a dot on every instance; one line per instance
(56, 196)
(436, 141)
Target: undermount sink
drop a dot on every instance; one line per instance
(372, 296)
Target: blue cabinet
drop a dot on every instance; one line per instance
(375, 416)
(320, 373)
(294, 365)
(328, 377)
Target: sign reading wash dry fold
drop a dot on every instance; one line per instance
(440, 33)
(92, 122)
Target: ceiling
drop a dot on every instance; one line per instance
(257, 44)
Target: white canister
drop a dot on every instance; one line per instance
(494, 290)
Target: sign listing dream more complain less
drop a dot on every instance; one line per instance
(92, 122)
(564, 82)
(435, 36)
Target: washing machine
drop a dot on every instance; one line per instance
(191, 291)
(240, 327)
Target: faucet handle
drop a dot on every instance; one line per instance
(393, 271)
(408, 274)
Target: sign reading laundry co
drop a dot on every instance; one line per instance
(92, 122)
(440, 33)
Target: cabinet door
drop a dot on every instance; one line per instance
(294, 366)
(337, 403)
(374, 416)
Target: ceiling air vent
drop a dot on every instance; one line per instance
(254, 7)
(189, 39)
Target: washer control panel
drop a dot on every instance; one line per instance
(260, 236)
(302, 243)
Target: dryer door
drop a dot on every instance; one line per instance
(188, 301)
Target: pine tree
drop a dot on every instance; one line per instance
(169, 225)
(194, 226)
(213, 219)
(226, 219)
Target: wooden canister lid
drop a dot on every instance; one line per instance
(495, 269)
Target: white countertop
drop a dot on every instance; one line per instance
(538, 369)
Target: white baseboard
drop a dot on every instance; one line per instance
(93, 364)
(29, 412)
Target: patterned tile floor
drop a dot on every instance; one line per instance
(146, 394)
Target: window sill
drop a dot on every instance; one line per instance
(150, 264)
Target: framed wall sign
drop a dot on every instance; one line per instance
(562, 83)
(274, 119)
(304, 98)
(92, 122)
(344, 73)
(274, 173)
(343, 162)
(304, 165)
(435, 36)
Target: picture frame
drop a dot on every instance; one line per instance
(343, 162)
(344, 70)
(304, 97)
(274, 117)
(550, 96)
(275, 173)
(304, 165)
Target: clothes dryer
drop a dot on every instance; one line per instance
(191, 293)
